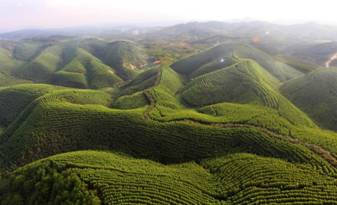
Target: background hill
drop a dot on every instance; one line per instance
(220, 53)
(72, 63)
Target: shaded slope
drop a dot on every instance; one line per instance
(13, 100)
(26, 50)
(316, 94)
(318, 53)
(279, 70)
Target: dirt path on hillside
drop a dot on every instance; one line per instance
(330, 60)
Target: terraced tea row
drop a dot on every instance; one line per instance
(119, 179)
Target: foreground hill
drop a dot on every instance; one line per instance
(91, 177)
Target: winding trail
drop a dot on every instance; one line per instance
(330, 60)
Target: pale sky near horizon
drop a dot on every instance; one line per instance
(19, 14)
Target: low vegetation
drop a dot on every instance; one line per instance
(87, 121)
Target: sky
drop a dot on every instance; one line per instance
(23, 14)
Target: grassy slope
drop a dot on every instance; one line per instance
(66, 64)
(156, 125)
(90, 126)
(316, 94)
(303, 66)
(28, 49)
(84, 70)
(126, 57)
(118, 179)
(41, 68)
(14, 99)
(7, 65)
(73, 63)
(245, 82)
(65, 120)
(281, 71)
(257, 180)
(71, 119)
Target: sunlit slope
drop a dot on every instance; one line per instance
(221, 53)
(315, 94)
(8, 64)
(132, 94)
(243, 82)
(79, 63)
(126, 57)
(41, 68)
(85, 71)
(92, 177)
(69, 66)
(249, 179)
(71, 119)
(219, 132)
(290, 161)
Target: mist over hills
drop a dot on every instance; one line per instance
(195, 113)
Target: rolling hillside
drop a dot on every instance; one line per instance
(127, 57)
(8, 64)
(281, 71)
(92, 177)
(316, 99)
(88, 63)
(318, 53)
(92, 121)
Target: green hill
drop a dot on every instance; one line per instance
(163, 130)
(8, 64)
(94, 121)
(41, 68)
(28, 49)
(278, 69)
(85, 71)
(13, 100)
(316, 53)
(315, 94)
(126, 57)
(244, 82)
(91, 177)
(87, 63)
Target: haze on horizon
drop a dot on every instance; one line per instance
(20, 14)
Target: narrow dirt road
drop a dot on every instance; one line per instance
(329, 61)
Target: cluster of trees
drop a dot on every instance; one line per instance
(45, 184)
